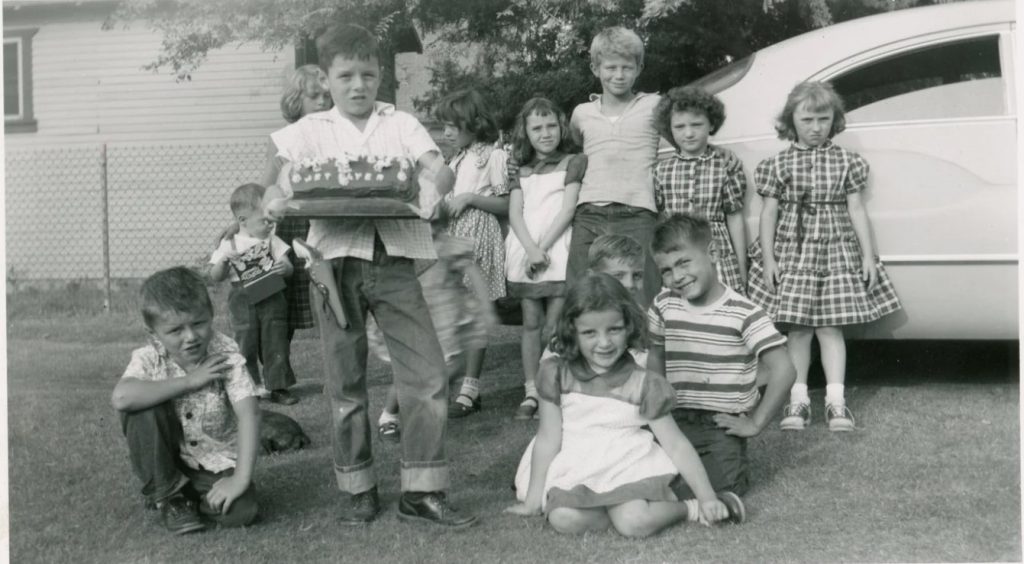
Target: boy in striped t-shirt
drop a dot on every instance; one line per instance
(707, 339)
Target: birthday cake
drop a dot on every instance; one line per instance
(354, 186)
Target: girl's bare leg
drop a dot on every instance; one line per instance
(553, 309)
(799, 346)
(533, 316)
(572, 521)
(833, 353)
(391, 401)
(642, 518)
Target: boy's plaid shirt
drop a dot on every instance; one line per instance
(707, 185)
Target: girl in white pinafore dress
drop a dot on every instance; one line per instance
(542, 202)
(593, 464)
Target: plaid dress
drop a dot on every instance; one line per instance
(300, 313)
(707, 186)
(816, 248)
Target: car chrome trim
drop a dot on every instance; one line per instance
(932, 259)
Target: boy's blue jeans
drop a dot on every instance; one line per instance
(591, 221)
(724, 456)
(386, 286)
(261, 330)
(154, 436)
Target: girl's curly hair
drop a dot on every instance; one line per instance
(306, 79)
(597, 291)
(467, 109)
(687, 99)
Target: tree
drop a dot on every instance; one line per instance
(542, 46)
(508, 49)
(192, 28)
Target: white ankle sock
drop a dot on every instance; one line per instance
(834, 394)
(471, 388)
(531, 390)
(798, 394)
(387, 417)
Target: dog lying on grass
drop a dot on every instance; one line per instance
(280, 433)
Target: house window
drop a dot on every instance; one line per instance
(18, 116)
(953, 79)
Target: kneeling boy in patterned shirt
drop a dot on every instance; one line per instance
(707, 339)
(188, 409)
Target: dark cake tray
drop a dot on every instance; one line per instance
(351, 207)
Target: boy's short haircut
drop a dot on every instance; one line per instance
(468, 110)
(688, 99)
(678, 228)
(618, 41)
(615, 247)
(347, 41)
(819, 97)
(177, 289)
(247, 197)
(299, 84)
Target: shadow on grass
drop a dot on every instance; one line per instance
(917, 363)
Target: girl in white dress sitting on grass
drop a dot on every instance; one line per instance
(593, 464)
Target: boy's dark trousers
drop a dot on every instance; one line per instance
(591, 221)
(261, 330)
(388, 287)
(154, 437)
(724, 456)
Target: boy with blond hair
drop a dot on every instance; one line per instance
(617, 132)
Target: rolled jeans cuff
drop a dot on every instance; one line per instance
(356, 479)
(425, 476)
(158, 496)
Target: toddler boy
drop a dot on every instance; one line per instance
(260, 321)
(188, 410)
(706, 339)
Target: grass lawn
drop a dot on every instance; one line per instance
(933, 473)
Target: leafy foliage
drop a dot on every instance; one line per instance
(510, 50)
(514, 49)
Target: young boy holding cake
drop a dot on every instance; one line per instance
(372, 262)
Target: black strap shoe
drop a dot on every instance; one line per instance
(431, 508)
(361, 508)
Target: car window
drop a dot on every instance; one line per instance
(953, 79)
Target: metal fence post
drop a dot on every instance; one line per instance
(105, 226)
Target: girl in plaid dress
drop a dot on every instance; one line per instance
(701, 179)
(815, 268)
(479, 197)
(305, 93)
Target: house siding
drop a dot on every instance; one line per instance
(90, 86)
(159, 157)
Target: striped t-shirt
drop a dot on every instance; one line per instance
(711, 351)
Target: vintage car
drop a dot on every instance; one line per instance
(930, 104)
